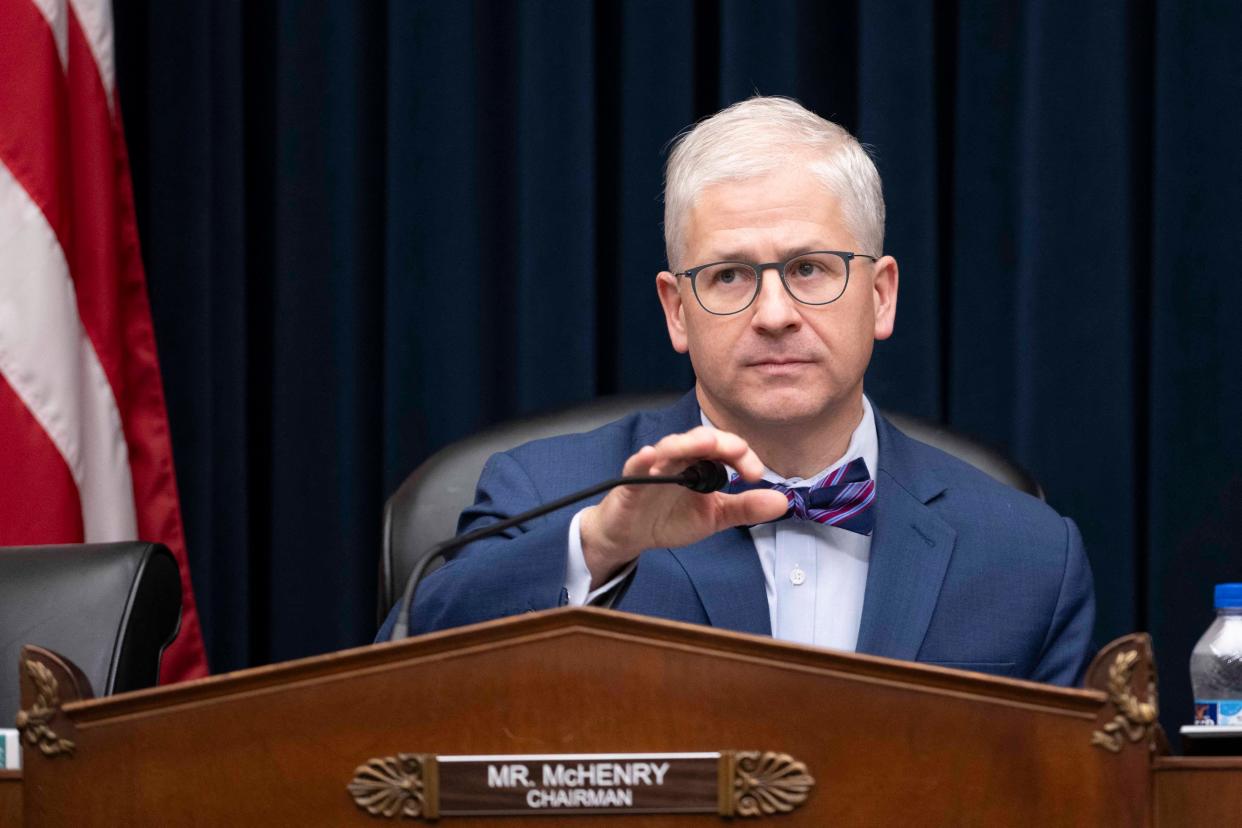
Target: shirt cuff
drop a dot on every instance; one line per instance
(578, 576)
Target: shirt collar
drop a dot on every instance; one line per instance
(863, 443)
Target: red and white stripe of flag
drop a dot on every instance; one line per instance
(85, 451)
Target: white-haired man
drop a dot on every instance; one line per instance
(837, 530)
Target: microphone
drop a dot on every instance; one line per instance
(704, 477)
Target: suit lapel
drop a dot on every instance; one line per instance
(723, 568)
(728, 579)
(910, 552)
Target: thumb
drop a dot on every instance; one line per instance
(748, 508)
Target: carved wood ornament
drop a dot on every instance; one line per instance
(765, 784)
(1123, 669)
(392, 786)
(35, 722)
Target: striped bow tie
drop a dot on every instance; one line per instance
(843, 498)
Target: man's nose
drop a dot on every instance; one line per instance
(775, 309)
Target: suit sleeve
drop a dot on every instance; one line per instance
(520, 570)
(1067, 647)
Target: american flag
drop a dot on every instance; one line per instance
(85, 452)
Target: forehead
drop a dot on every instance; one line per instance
(765, 216)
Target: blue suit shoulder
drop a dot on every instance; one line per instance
(977, 496)
(568, 462)
(523, 568)
(1018, 573)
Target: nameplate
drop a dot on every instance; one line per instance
(728, 783)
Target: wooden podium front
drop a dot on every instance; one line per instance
(869, 741)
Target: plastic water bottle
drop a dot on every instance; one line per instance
(1216, 663)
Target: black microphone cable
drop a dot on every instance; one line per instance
(705, 476)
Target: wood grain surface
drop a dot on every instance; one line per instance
(887, 742)
(1197, 791)
(10, 798)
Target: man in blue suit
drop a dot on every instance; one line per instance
(837, 529)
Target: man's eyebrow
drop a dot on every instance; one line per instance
(784, 254)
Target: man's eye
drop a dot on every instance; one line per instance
(729, 277)
(808, 269)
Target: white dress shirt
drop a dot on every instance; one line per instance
(815, 575)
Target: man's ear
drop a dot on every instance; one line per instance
(884, 295)
(674, 310)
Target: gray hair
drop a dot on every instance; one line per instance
(758, 136)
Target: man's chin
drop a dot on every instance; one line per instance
(785, 407)
(771, 405)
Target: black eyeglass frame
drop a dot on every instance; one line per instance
(846, 255)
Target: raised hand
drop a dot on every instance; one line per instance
(633, 518)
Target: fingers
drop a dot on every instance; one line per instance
(640, 462)
(676, 451)
(749, 508)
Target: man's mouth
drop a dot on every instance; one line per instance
(779, 360)
(779, 366)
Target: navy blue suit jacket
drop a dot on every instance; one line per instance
(964, 572)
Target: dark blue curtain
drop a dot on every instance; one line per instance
(373, 228)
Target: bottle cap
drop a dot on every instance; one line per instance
(1228, 596)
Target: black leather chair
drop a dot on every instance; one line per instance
(424, 510)
(110, 608)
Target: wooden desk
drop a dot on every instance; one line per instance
(1186, 792)
(10, 797)
(1196, 791)
(887, 742)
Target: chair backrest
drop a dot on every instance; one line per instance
(110, 608)
(424, 510)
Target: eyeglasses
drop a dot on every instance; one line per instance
(815, 278)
